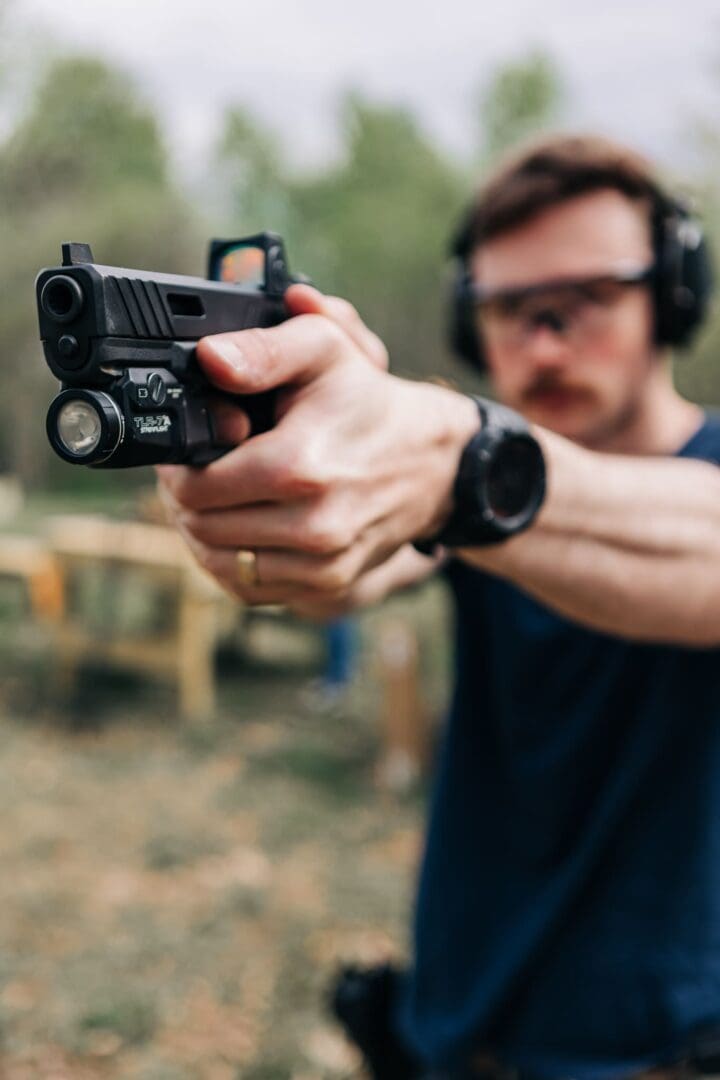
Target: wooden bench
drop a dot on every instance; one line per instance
(199, 614)
(30, 560)
(185, 649)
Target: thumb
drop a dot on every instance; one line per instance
(294, 352)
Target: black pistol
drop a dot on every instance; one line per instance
(122, 343)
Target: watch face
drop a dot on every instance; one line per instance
(500, 483)
(512, 477)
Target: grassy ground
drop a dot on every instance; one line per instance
(174, 900)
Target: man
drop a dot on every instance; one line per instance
(568, 920)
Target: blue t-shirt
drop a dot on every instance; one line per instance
(568, 915)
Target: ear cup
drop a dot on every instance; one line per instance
(465, 341)
(684, 274)
(463, 336)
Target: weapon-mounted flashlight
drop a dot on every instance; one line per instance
(85, 426)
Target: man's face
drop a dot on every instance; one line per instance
(577, 363)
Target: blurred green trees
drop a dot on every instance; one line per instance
(84, 133)
(523, 97)
(87, 161)
(372, 227)
(376, 226)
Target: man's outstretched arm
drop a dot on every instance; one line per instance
(361, 462)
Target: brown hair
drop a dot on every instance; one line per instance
(550, 171)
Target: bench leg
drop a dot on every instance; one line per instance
(196, 657)
(47, 593)
(404, 728)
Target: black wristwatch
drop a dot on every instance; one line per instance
(500, 483)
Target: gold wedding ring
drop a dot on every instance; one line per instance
(247, 573)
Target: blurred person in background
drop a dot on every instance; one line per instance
(341, 640)
(568, 917)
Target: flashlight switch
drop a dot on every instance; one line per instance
(147, 390)
(157, 388)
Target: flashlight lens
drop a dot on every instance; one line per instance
(79, 427)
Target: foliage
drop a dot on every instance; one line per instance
(252, 171)
(84, 133)
(375, 229)
(523, 97)
(374, 225)
(85, 162)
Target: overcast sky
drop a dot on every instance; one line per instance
(635, 68)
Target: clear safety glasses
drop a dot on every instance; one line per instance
(577, 308)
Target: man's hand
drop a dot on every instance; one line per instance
(358, 464)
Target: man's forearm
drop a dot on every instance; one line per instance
(626, 545)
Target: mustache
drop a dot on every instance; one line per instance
(548, 382)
